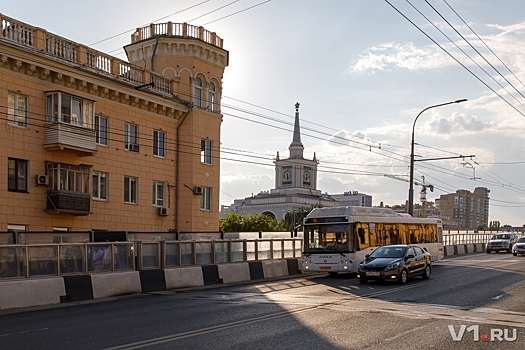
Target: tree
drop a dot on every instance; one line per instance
(254, 223)
(300, 214)
(494, 226)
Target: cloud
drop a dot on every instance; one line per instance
(457, 123)
(388, 56)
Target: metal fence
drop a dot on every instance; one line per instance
(469, 238)
(48, 260)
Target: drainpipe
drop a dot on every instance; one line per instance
(153, 54)
(177, 187)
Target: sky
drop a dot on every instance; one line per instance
(362, 70)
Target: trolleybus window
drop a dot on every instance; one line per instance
(328, 237)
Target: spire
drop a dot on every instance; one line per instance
(296, 147)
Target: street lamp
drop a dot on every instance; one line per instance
(411, 190)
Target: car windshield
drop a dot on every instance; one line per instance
(501, 237)
(389, 252)
(521, 240)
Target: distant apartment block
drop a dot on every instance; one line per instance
(465, 210)
(93, 142)
(353, 198)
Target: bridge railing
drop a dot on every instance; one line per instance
(48, 260)
(469, 238)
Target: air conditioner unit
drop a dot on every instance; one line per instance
(163, 211)
(197, 190)
(134, 147)
(42, 180)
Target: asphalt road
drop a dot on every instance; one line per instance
(470, 302)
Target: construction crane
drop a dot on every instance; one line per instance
(424, 185)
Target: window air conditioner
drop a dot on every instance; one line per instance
(197, 190)
(163, 211)
(42, 180)
(134, 147)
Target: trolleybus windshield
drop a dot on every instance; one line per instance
(328, 237)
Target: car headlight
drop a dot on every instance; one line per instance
(392, 266)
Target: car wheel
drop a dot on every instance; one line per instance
(489, 251)
(363, 281)
(403, 276)
(332, 274)
(426, 272)
(510, 249)
(515, 254)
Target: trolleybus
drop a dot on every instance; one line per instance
(337, 239)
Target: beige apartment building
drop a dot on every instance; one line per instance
(465, 210)
(92, 142)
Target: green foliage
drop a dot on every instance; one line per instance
(254, 223)
(494, 226)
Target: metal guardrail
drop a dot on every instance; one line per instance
(469, 238)
(51, 260)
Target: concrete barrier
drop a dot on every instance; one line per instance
(184, 277)
(470, 248)
(114, 284)
(54, 290)
(27, 293)
(275, 268)
(232, 273)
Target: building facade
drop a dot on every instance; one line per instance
(295, 185)
(353, 199)
(465, 210)
(92, 142)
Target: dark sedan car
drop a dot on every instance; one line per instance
(395, 263)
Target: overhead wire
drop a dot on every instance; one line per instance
(480, 39)
(454, 58)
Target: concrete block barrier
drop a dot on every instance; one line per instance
(114, 284)
(256, 270)
(54, 290)
(460, 249)
(152, 280)
(184, 277)
(232, 273)
(275, 268)
(27, 293)
(470, 248)
(449, 250)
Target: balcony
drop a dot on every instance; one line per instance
(67, 137)
(68, 202)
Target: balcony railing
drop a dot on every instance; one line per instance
(65, 136)
(68, 202)
(41, 41)
(183, 30)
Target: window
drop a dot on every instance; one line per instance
(198, 92)
(206, 151)
(130, 189)
(131, 136)
(17, 175)
(211, 98)
(206, 198)
(66, 177)
(64, 108)
(158, 193)
(159, 143)
(100, 185)
(101, 127)
(17, 109)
